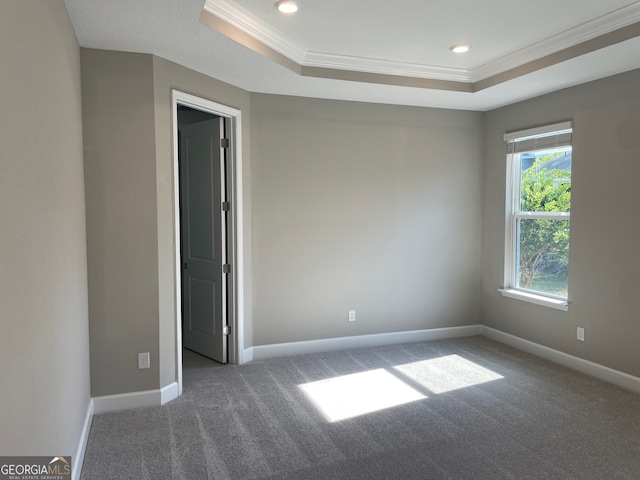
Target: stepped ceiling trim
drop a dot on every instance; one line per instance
(229, 19)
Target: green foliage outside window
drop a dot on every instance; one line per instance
(544, 244)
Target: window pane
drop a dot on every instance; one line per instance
(542, 255)
(545, 181)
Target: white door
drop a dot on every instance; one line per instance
(203, 238)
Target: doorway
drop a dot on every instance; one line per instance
(204, 223)
(218, 292)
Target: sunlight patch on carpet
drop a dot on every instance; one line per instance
(357, 394)
(445, 374)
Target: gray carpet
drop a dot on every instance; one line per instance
(475, 409)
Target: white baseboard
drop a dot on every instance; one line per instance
(126, 401)
(78, 458)
(168, 393)
(330, 344)
(247, 355)
(596, 370)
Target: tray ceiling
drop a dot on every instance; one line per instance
(369, 50)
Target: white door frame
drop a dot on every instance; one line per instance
(236, 339)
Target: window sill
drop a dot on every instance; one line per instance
(533, 298)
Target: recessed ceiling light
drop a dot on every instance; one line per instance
(460, 48)
(287, 6)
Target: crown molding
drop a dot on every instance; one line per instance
(582, 33)
(241, 19)
(384, 67)
(256, 34)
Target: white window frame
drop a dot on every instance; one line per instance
(544, 137)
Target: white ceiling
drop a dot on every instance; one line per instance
(595, 38)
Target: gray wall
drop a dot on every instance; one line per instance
(122, 236)
(604, 270)
(363, 206)
(129, 172)
(44, 359)
(360, 206)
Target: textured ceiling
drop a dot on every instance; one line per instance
(513, 55)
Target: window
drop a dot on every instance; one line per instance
(538, 214)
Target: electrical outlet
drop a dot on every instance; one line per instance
(580, 335)
(352, 315)
(143, 360)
